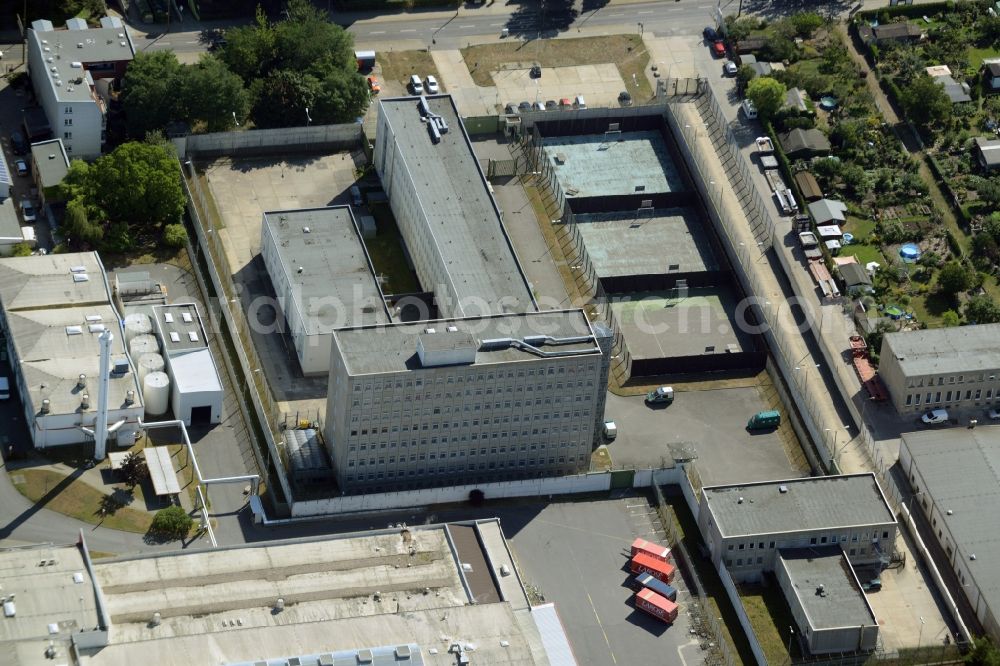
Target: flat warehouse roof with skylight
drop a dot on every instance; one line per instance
(594, 165)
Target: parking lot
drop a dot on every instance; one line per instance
(712, 423)
(599, 85)
(577, 554)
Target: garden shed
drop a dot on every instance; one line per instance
(987, 151)
(808, 186)
(827, 211)
(800, 143)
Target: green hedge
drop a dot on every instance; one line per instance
(938, 172)
(359, 5)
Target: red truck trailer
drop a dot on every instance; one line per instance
(643, 563)
(656, 605)
(654, 550)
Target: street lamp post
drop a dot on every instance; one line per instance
(920, 636)
(308, 117)
(791, 632)
(640, 28)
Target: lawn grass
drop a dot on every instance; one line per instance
(627, 51)
(977, 55)
(399, 65)
(861, 229)
(864, 253)
(386, 252)
(770, 618)
(76, 499)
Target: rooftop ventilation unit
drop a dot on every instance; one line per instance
(452, 329)
(429, 330)
(305, 230)
(120, 367)
(192, 336)
(168, 318)
(76, 64)
(96, 328)
(92, 319)
(175, 336)
(782, 489)
(365, 657)
(74, 330)
(186, 316)
(80, 277)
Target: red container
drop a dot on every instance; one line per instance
(654, 550)
(643, 563)
(656, 605)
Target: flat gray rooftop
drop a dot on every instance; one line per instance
(961, 472)
(662, 241)
(461, 215)
(809, 504)
(94, 45)
(45, 593)
(179, 327)
(10, 226)
(842, 602)
(51, 161)
(393, 348)
(336, 285)
(945, 350)
(664, 324)
(47, 281)
(595, 165)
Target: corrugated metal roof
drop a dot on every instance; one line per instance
(161, 470)
(305, 450)
(553, 635)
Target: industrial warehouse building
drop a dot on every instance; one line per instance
(322, 276)
(54, 309)
(813, 534)
(465, 400)
(445, 212)
(956, 367)
(195, 388)
(746, 525)
(432, 595)
(955, 475)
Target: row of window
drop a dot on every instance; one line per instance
(935, 397)
(498, 422)
(818, 540)
(749, 561)
(473, 377)
(493, 464)
(388, 394)
(423, 443)
(368, 405)
(915, 382)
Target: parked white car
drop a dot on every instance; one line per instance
(432, 85)
(28, 210)
(416, 86)
(935, 416)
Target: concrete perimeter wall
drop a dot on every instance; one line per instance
(316, 138)
(563, 485)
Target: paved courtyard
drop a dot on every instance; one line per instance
(598, 84)
(244, 188)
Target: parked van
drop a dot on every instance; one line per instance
(610, 430)
(762, 420)
(749, 109)
(579, 102)
(4, 388)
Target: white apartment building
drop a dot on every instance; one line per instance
(445, 212)
(322, 276)
(468, 400)
(956, 367)
(70, 71)
(745, 526)
(54, 309)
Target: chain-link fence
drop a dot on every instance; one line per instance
(703, 622)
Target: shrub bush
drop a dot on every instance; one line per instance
(172, 522)
(174, 235)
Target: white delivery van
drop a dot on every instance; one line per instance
(749, 109)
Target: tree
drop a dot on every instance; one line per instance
(174, 235)
(767, 94)
(988, 189)
(171, 523)
(950, 318)
(983, 653)
(855, 179)
(925, 102)
(134, 469)
(341, 97)
(249, 50)
(138, 184)
(283, 97)
(954, 277)
(744, 75)
(982, 310)
(151, 92)
(77, 229)
(308, 42)
(804, 24)
(213, 94)
(738, 29)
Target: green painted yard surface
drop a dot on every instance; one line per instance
(976, 56)
(864, 253)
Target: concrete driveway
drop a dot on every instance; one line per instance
(598, 84)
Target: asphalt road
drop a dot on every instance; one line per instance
(454, 29)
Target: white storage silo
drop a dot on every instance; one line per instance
(147, 363)
(156, 393)
(143, 344)
(137, 324)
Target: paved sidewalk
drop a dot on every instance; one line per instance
(471, 99)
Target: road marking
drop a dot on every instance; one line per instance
(647, 12)
(377, 32)
(493, 25)
(466, 26)
(194, 42)
(615, 15)
(599, 624)
(410, 30)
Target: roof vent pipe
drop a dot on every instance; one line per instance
(129, 397)
(46, 405)
(279, 605)
(85, 402)
(81, 381)
(155, 622)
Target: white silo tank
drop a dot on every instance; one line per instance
(156, 393)
(143, 344)
(137, 323)
(147, 363)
